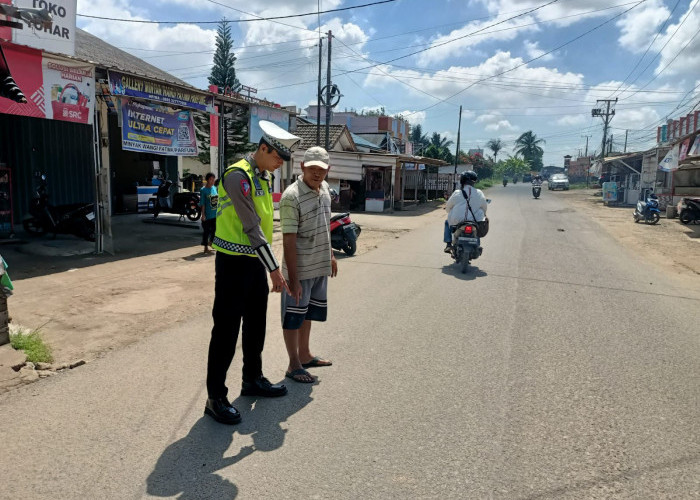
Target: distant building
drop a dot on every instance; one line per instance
(578, 168)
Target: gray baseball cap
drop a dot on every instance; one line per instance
(316, 157)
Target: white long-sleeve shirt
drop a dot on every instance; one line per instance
(457, 206)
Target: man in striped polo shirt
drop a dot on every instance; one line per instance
(305, 215)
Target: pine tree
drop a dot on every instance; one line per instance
(223, 73)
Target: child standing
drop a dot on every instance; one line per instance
(208, 200)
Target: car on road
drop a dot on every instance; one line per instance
(558, 181)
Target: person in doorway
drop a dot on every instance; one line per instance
(305, 214)
(208, 200)
(243, 258)
(466, 203)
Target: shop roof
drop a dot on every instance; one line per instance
(101, 53)
(307, 133)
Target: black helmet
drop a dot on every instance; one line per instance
(468, 177)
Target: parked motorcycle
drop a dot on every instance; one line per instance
(648, 210)
(77, 218)
(344, 233)
(536, 190)
(184, 204)
(690, 211)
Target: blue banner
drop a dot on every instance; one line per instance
(132, 86)
(149, 130)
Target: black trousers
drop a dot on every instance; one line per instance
(208, 231)
(240, 295)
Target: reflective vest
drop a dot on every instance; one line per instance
(230, 237)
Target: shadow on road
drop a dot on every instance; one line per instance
(472, 273)
(189, 466)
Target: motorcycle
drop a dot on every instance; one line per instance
(648, 210)
(184, 204)
(505, 182)
(344, 233)
(465, 244)
(536, 190)
(77, 219)
(690, 211)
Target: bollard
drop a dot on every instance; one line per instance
(671, 212)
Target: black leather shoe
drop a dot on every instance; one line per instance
(263, 387)
(448, 248)
(222, 411)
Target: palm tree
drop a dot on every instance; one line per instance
(495, 145)
(440, 142)
(528, 146)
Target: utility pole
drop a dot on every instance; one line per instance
(328, 93)
(606, 116)
(459, 130)
(586, 136)
(318, 101)
(626, 132)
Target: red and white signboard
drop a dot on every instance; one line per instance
(60, 37)
(55, 89)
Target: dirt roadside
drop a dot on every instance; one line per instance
(87, 306)
(670, 245)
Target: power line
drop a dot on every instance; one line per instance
(663, 25)
(256, 18)
(540, 56)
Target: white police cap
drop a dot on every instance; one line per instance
(282, 141)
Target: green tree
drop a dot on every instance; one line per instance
(223, 75)
(512, 166)
(223, 72)
(495, 145)
(528, 146)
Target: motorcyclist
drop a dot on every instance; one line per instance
(457, 208)
(537, 180)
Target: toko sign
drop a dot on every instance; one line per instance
(60, 37)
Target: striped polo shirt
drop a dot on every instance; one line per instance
(308, 214)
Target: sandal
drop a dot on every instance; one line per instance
(296, 376)
(316, 361)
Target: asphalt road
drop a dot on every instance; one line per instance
(561, 366)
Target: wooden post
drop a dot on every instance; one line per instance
(4, 320)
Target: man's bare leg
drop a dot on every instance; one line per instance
(304, 352)
(291, 342)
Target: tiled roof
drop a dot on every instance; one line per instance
(94, 49)
(307, 132)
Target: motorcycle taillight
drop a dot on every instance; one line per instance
(468, 230)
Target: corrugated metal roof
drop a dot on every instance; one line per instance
(96, 50)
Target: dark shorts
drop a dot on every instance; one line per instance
(313, 305)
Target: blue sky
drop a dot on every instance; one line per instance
(552, 95)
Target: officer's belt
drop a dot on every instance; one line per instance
(233, 247)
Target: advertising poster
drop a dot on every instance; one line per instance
(132, 86)
(610, 191)
(684, 149)
(694, 150)
(55, 89)
(277, 116)
(160, 131)
(69, 90)
(670, 161)
(60, 37)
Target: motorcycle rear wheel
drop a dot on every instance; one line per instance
(464, 262)
(636, 218)
(33, 226)
(686, 216)
(350, 247)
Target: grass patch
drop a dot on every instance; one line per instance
(33, 346)
(483, 184)
(577, 185)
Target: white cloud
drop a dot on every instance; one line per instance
(533, 50)
(639, 26)
(572, 120)
(441, 50)
(494, 122)
(687, 65)
(413, 117)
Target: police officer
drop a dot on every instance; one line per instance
(243, 258)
